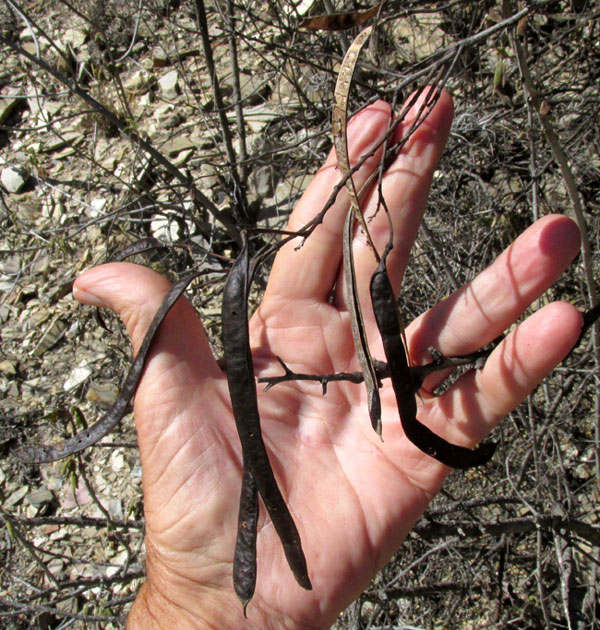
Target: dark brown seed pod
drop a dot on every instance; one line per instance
(390, 328)
(242, 390)
(244, 559)
(49, 453)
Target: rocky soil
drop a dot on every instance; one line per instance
(74, 189)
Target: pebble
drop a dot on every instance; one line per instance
(137, 82)
(40, 497)
(117, 460)
(56, 565)
(181, 143)
(97, 207)
(263, 181)
(102, 393)
(14, 178)
(16, 496)
(6, 107)
(159, 57)
(7, 367)
(169, 84)
(25, 35)
(51, 335)
(75, 37)
(114, 508)
(77, 376)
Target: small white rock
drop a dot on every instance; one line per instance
(25, 35)
(97, 205)
(164, 230)
(8, 367)
(16, 496)
(77, 376)
(115, 508)
(74, 37)
(117, 460)
(263, 181)
(169, 85)
(14, 178)
(102, 393)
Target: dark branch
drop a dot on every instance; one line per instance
(418, 372)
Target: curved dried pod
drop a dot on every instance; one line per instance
(39, 454)
(390, 328)
(340, 139)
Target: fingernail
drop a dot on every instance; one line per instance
(87, 298)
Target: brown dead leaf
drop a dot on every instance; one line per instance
(338, 21)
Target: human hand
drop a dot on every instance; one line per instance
(353, 497)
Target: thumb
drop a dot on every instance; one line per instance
(135, 293)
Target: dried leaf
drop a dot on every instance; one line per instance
(338, 21)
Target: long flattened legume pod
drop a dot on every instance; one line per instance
(359, 334)
(339, 122)
(42, 454)
(340, 139)
(244, 559)
(242, 390)
(390, 328)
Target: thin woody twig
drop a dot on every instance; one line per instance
(418, 372)
(239, 195)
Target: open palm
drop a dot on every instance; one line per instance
(353, 497)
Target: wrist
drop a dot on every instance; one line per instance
(155, 610)
(169, 600)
